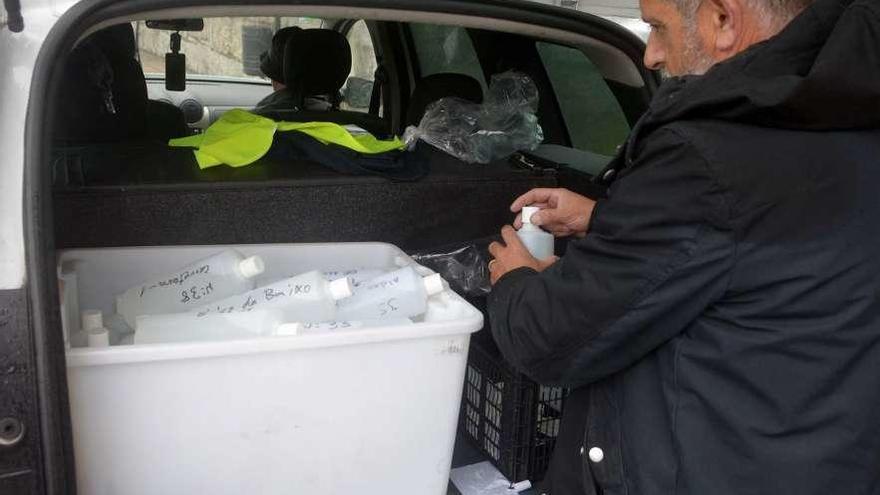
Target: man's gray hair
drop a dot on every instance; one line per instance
(778, 10)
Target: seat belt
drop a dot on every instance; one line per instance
(380, 78)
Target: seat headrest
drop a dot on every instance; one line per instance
(272, 60)
(436, 86)
(116, 41)
(317, 62)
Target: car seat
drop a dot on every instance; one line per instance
(317, 63)
(104, 98)
(436, 86)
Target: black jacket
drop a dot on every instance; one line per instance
(722, 316)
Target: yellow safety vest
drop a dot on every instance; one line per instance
(239, 138)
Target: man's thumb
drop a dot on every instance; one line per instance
(543, 217)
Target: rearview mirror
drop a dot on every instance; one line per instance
(177, 24)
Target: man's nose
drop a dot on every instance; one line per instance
(655, 56)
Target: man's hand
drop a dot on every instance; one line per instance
(563, 212)
(512, 255)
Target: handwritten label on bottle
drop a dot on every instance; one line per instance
(177, 280)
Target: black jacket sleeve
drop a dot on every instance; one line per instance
(659, 252)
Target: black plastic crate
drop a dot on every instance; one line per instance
(510, 418)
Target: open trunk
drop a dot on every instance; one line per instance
(143, 193)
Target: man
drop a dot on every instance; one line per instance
(720, 319)
(272, 66)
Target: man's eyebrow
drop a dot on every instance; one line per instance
(650, 20)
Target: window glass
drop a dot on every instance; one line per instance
(591, 112)
(219, 49)
(359, 88)
(446, 49)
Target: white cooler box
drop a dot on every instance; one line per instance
(360, 412)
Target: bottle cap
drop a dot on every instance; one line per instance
(527, 213)
(433, 284)
(92, 319)
(288, 329)
(99, 337)
(341, 288)
(251, 267)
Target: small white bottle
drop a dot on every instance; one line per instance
(288, 329)
(211, 327)
(93, 325)
(305, 297)
(402, 293)
(357, 275)
(539, 242)
(211, 279)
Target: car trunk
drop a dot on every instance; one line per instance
(143, 194)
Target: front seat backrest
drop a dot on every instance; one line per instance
(162, 121)
(436, 86)
(317, 63)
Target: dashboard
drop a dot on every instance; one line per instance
(205, 100)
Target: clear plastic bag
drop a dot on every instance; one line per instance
(503, 124)
(465, 267)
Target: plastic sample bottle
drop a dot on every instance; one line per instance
(305, 297)
(211, 327)
(93, 325)
(210, 279)
(539, 242)
(357, 275)
(337, 326)
(402, 293)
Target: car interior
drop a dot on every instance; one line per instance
(116, 181)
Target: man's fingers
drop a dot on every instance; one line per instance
(547, 217)
(495, 249)
(539, 195)
(510, 237)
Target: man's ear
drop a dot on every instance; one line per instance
(724, 22)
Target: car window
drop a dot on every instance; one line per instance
(227, 47)
(594, 118)
(358, 89)
(446, 49)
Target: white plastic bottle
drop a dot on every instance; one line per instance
(539, 242)
(337, 326)
(210, 279)
(357, 275)
(402, 293)
(93, 325)
(305, 297)
(211, 327)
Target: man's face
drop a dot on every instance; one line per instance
(675, 45)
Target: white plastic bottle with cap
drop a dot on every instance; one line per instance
(207, 280)
(539, 242)
(305, 297)
(357, 275)
(402, 293)
(288, 329)
(211, 327)
(93, 325)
